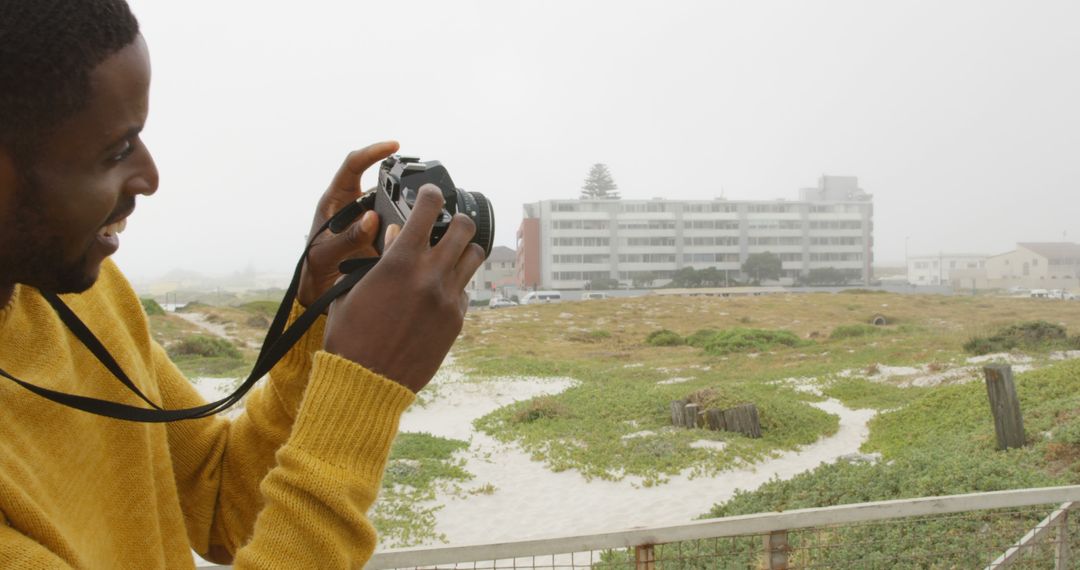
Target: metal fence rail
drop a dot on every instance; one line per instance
(1029, 528)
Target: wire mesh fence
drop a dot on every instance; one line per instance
(1039, 536)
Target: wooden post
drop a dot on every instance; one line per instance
(677, 412)
(645, 557)
(691, 415)
(715, 419)
(1061, 552)
(1005, 406)
(743, 419)
(776, 551)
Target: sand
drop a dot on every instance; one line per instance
(530, 501)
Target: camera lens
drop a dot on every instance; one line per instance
(476, 206)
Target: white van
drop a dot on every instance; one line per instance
(541, 297)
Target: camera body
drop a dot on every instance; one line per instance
(400, 179)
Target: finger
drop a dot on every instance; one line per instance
(346, 183)
(392, 232)
(358, 240)
(429, 204)
(361, 234)
(467, 264)
(461, 230)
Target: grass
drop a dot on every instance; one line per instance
(419, 464)
(941, 442)
(620, 390)
(1028, 336)
(935, 440)
(855, 331)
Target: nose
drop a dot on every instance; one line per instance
(145, 182)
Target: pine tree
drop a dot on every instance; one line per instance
(599, 185)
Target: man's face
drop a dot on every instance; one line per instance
(60, 215)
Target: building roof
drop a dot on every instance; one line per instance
(1053, 250)
(501, 253)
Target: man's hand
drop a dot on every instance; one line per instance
(320, 270)
(401, 318)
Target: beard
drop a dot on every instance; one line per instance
(34, 252)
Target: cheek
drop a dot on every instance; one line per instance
(75, 207)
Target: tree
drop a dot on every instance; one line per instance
(599, 185)
(826, 276)
(644, 280)
(711, 277)
(765, 265)
(686, 277)
(602, 283)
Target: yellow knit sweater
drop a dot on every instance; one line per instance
(285, 485)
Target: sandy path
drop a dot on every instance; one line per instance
(530, 501)
(199, 320)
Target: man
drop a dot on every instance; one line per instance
(285, 485)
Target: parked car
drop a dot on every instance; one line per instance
(500, 302)
(594, 295)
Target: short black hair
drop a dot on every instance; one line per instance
(48, 48)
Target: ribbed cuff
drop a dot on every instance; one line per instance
(349, 416)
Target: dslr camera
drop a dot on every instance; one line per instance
(400, 179)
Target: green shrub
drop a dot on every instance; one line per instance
(261, 308)
(715, 398)
(700, 338)
(750, 340)
(543, 407)
(151, 307)
(1032, 335)
(206, 346)
(192, 307)
(664, 337)
(855, 331)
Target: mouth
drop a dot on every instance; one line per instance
(117, 222)
(113, 229)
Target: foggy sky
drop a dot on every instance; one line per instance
(962, 118)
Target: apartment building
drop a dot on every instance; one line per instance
(563, 244)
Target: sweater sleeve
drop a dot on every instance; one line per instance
(218, 464)
(329, 472)
(309, 485)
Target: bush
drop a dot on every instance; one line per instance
(664, 337)
(701, 337)
(266, 309)
(854, 331)
(192, 307)
(1032, 335)
(715, 399)
(151, 307)
(206, 346)
(543, 407)
(750, 340)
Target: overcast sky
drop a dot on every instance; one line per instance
(962, 118)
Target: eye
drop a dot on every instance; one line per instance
(124, 152)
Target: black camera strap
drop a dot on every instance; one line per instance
(275, 345)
